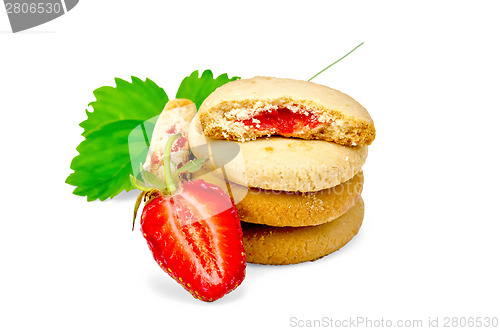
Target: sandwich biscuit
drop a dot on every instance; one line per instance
(278, 163)
(246, 109)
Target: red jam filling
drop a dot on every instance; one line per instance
(282, 121)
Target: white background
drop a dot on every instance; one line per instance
(428, 74)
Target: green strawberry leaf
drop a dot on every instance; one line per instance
(118, 131)
(103, 166)
(197, 89)
(137, 100)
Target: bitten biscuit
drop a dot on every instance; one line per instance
(272, 245)
(279, 208)
(278, 163)
(246, 109)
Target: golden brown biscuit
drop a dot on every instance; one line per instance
(279, 208)
(272, 245)
(277, 163)
(246, 109)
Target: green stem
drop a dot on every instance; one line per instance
(137, 204)
(335, 62)
(169, 179)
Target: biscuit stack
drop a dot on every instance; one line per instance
(291, 154)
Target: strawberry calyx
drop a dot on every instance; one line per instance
(151, 186)
(170, 180)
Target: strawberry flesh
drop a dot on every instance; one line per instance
(195, 236)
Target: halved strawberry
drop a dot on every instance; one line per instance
(193, 242)
(194, 233)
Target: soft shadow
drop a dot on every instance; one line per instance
(35, 32)
(168, 288)
(127, 196)
(257, 270)
(238, 294)
(27, 32)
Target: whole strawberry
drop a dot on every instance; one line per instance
(193, 231)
